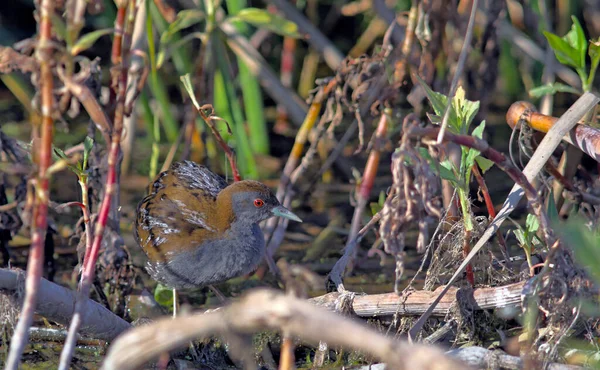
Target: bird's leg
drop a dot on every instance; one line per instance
(218, 293)
(174, 303)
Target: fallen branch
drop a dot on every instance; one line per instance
(57, 304)
(482, 358)
(269, 310)
(417, 302)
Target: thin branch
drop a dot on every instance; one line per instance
(42, 191)
(462, 58)
(362, 198)
(119, 72)
(207, 114)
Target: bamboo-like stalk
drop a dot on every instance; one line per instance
(584, 137)
(111, 187)
(287, 358)
(43, 156)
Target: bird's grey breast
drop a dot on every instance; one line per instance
(238, 253)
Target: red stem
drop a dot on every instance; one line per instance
(362, 196)
(490, 206)
(89, 263)
(39, 225)
(504, 164)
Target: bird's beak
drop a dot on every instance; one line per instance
(281, 211)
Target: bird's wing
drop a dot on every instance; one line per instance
(195, 176)
(175, 215)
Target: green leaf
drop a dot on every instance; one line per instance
(520, 235)
(448, 172)
(86, 41)
(445, 169)
(576, 38)
(185, 19)
(59, 26)
(473, 153)
(565, 53)
(264, 19)
(571, 48)
(478, 131)
(438, 101)
(59, 154)
(88, 143)
(551, 89)
(462, 111)
(163, 295)
(532, 224)
(378, 206)
(466, 111)
(484, 163)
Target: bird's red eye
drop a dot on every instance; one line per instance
(258, 203)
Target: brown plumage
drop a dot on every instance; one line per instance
(196, 230)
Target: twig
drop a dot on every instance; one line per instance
(111, 188)
(207, 114)
(266, 309)
(363, 194)
(43, 157)
(462, 58)
(275, 225)
(586, 102)
(338, 269)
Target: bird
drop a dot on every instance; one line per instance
(197, 230)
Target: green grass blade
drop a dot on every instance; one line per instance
(245, 155)
(251, 92)
(180, 57)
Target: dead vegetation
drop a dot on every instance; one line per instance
(379, 159)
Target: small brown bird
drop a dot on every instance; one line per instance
(197, 231)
